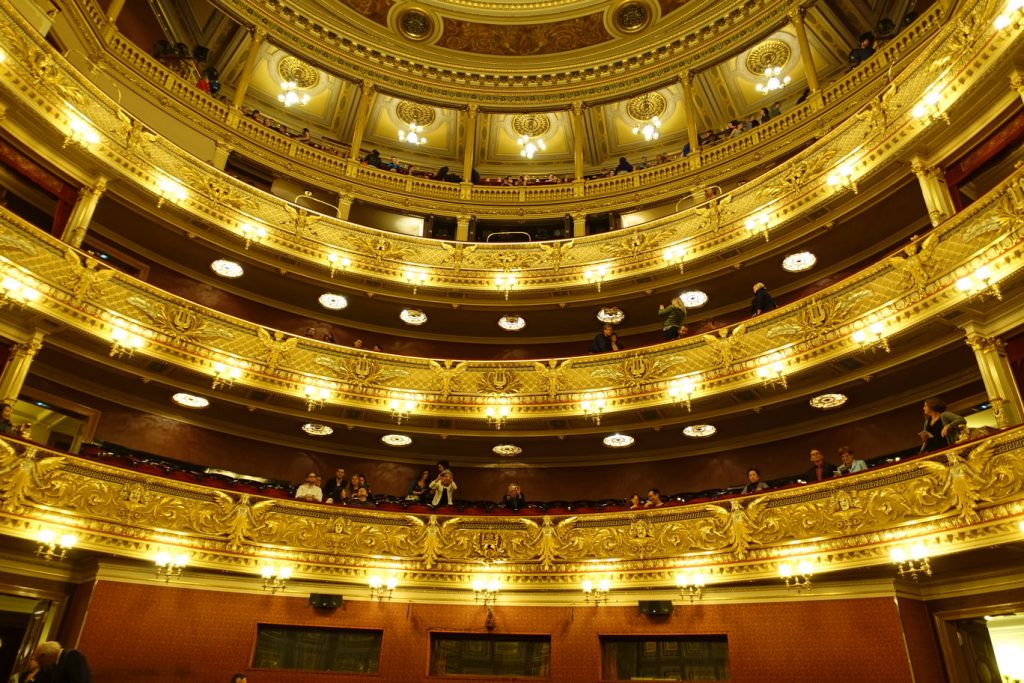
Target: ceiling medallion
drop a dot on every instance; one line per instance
(298, 72)
(226, 268)
(646, 107)
(800, 261)
(531, 125)
(694, 298)
(828, 401)
(611, 315)
(396, 440)
(512, 323)
(768, 55)
(414, 113)
(413, 316)
(632, 16)
(190, 400)
(315, 429)
(415, 24)
(618, 440)
(507, 450)
(699, 431)
(333, 302)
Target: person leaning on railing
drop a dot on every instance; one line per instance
(941, 427)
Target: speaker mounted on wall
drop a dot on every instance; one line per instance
(655, 608)
(324, 601)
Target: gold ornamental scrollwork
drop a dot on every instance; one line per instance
(275, 347)
(531, 125)
(554, 375)
(297, 71)
(87, 276)
(767, 55)
(180, 324)
(645, 107)
(415, 113)
(819, 317)
(916, 264)
(725, 344)
(361, 372)
(458, 255)
(446, 375)
(633, 371)
(501, 382)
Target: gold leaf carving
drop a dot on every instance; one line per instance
(380, 248)
(799, 175)
(725, 343)
(501, 381)
(712, 213)
(181, 324)
(446, 375)
(557, 253)
(633, 371)
(818, 317)
(220, 191)
(916, 265)
(21, 476)
(457, 255)
(361, 372)
(554, 376)
(275, 348)
(633, 245)
(87, 276)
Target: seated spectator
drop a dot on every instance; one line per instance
(357, 344)
(820, 469)
(329, 337)
(603, 340)
(866, 49)
(763, 301)
(735, 128)
(420, 489)
(849, 465)
(444, 489)
(763, 115)
(686, 150)
(373, 159)
(616, 344)
(6, 413)
(941, 427)
(474, 176)
(654, 499)
(309, 491)
(804, 95)
(359, 489)
(754, 123)
(513, 498)
(304, 136)
(776, 109)
(623, 167)
(337, 487)
(642, 164)
(754, 483)
(311, 332)
(634, 502)
(203, 83)
(378, 348)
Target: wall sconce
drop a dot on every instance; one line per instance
(593, 406)
(758, 223)
(275, 578)
(772, 371)
(596, 275)
(799, 578)
(252, 234)
(125, 339)
(486, 590)
(17, 292)
(912, 560)
(53, 547)
(170, 566)
(929, 107)
(1010, 16)
(691, 585)
(675, 255)
(979, 284)
(842, 178)
(873, 337)
(382, 589)
(681, 391)
(596, 593)
(80, 133)
(401, 407)
(417, 278)
(336, 263)
(498, 412)
(170, 190)
(225, 374)
(505, 282)
(315, 394)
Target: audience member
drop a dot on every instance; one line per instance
(634, 502)
(513, 498)
(59, 665)
(686, 151)
(762, 301)
(309, 491)
(754, 123)
(444, 489)
(623, 167)
(654, 499)
(329, 337)
(603, 340)
(776, 109)
(359, 489)
(239, 678)
(337, 487)
(804, 95)
(357, 344)
(819, 468)
(441, 174)
(941, 427)
(420, 488)
(849, 465)
(378, 348)
(865, 50)
(614, 341)
(673, 316)
(754, 483)
(373, 159)
(6, 413)
(311, 332)
(31, 673)
(735, 128)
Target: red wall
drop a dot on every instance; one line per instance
(161, 633)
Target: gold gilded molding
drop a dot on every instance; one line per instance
(645, 107)
(531, 125)
(415, 113)
(767, 55)
(295, 70)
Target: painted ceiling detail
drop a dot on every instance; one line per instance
(645, 107)
(632, 16)
(415, 113)
(767, 55)
(531, 125)
(374, 10)
(297, 71)
(415, 24)
(536, 39)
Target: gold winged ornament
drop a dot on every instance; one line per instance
(275, 348)
(916, 264)
(557, 252)
(724, 343)
(457, 255)
(21, 475)
(447, 374)
(87, 276)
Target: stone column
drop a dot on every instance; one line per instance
(937, 198)
(691, 119)
(82, 211)
(258, 36)
(462, 228)
(221, 152)
(577, 139)
(467, 165)
(13, 377)
(366, 94)
(344, 205)
(796, 15)
(114, 10)
(997, 375)
(579, 223)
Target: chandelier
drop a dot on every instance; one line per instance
(774, 82)
(290, 96)
(413, 135)
(530, 146)
(649, 129)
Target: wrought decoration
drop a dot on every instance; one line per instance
(713, 212)
(797, 578)
(725, 343)
(500, 381)
(872, 337)
(458, 254)
(917, 263)
(646, 110)
(554, 375)
(632, 16)
(275, 578)
(681, 390)
(382, 589)
(768, 55)
(54, 547)
(170, 566)
(593, 405)
(17, 290)
(819, 317)
(799, 175)
(979, 284)
(691, 585)
(879, 111)
(361, 372)
(414, 115)
(446, 375)
(220, 190)
(298, 72)
(380, 248)
(415, 24)
(557, 253)
(275, 347)
(498, 411)
(531, 125)
(633, 371)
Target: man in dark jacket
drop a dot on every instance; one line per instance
(603, 341)
(820, 470)
(60, 665)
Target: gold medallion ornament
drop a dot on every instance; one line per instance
(414, 113)
(632, 16)
(415, 24)
(768, 55)
(531, 125)
(298, 72)
(645, 107)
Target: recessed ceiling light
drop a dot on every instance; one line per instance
(699, 431)
(507, 450)
(396, 439)
(799, 261)
(611, 315)
(315, 429)
(618, 440)
(694, 298)
(190, 400)
(413, 316)
(226, 268)
(333, 302)
(827, 401)
(512, 323)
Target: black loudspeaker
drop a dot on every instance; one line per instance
(656, 608)
(324, 601)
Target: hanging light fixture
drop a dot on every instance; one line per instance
(413, 136)
(290, 94)
(774, 82)
(649, 129)
(530, 129)
(530, 147)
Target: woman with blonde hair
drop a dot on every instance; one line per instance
(674, 314)
(763, 301)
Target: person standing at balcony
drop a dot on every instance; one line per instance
(941, 427)
(762, 301)
(444, 489)
(623, 167)
(309, 491)
(776, 109)
(672, 317)
(420, 489)
(603, 341)
(373, 159)
(616, 344)
(820, 470)
(850, 465)
(337, 487)
(513, 498)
